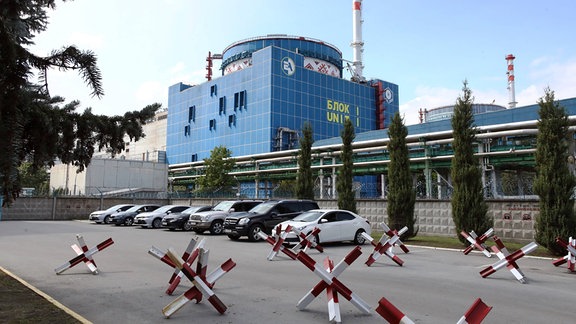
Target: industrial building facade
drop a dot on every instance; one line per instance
(270, 87)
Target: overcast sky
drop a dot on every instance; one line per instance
(426, 47)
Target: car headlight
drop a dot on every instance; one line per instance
(243, 221)
(300, 228)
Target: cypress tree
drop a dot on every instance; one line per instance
(305, 180)
(469, 210)
(401, 194)
(554, 182)
(344, 181)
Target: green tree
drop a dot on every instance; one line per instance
(30, 177)
(36, 127)
(401, 194)
(469, 210)
(216, 171)
(344, 181)
(285, 189)
(554, 182)
(305, 179)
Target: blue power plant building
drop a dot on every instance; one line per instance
(272, 85)
(269, 87)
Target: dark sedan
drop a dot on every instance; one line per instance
(127, 217)
(180, 220)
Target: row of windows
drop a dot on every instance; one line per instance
(239, 104)
(212, 124)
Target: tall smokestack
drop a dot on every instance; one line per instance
(357, 43)
(511, 91)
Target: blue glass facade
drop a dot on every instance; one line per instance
(259, 109)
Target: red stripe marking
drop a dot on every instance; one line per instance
(477, 312)
(389, 311)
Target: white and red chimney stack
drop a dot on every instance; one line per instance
(511, 91)
(357, 43)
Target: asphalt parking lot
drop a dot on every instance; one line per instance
(433, 286)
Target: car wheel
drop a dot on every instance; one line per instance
(107, 220)
(129, 221)
(233, 237)
(216, 227)
(186, 227)
(359, 238)
(316, 239)
(157, 223)
(253, 233)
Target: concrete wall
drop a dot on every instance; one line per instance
(63, 208)
(103, 175)
(513, 219)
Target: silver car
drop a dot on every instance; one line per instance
(103, 216)
(153, 219)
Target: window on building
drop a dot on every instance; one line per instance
(212, 124)
(242, 100)
(213, 90)
(194, 158)
(192, 114)
(222, 105)
(232, 120)
(187, 130)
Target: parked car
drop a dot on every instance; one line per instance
(264, 217)
(103, 216)
(127, 217)
(213, 220)
(173, 221)
(336, 225)
(153, 219)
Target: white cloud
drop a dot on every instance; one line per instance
(177, 68)
(87, 41)
(427, 98)
(150, 92)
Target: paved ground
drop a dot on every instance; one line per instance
(433, 286)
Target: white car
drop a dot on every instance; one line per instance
(153, 219)
(335, 225)
(103, 216)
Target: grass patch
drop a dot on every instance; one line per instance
(21, 305)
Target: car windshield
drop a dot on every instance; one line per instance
(133, 209)
(263, 207)
(224, 205)
(192, 209)
(114, 208)
(309, 216)
(164, 209)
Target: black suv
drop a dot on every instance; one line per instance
(264, 217)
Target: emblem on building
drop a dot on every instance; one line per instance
(288, 66)
(388, 95)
